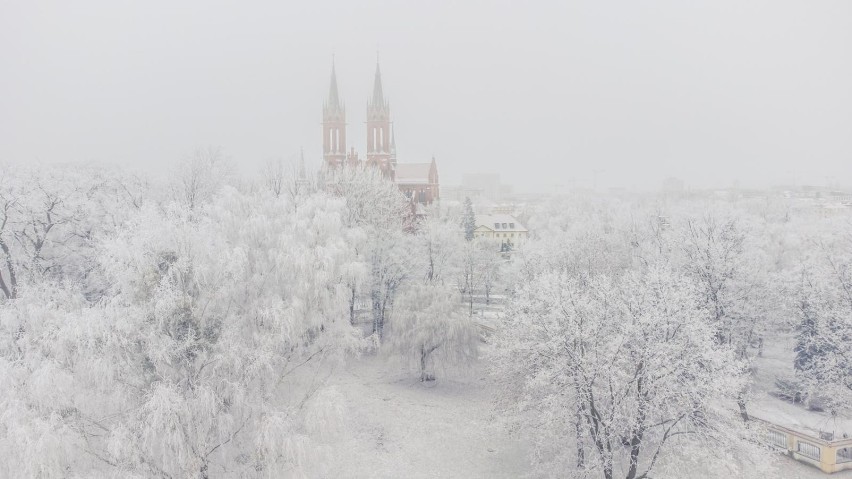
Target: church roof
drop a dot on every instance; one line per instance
(413, 173)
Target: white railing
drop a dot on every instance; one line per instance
(777, 438)
(808, 450)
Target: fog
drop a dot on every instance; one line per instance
(576, 93)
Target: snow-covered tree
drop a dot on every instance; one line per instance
(50, 220)
(390, 267)
(274, 176)
(199, 176)
(471, 271)
(428, 325)
(379, 209)
(468, 219)
(492, 266)
(288, 179)
(731, 275)
(823, 308)
(440, 245)
(371, 200)
(619, 377)
(717, 257)
(579, 236)
(201, 360)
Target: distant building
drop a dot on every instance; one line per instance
(418, 181)
(487, 183)
(842, 197)
(458, 193)
(503, 228)
(503, 209)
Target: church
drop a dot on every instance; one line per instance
(417, 181)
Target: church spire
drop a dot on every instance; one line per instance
(378, 129)
(378, 101)
(333, 125)
(333, 97)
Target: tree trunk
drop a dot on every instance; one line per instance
(422, 364)
(377, 314)
(638, 432)
(742, 404)
(578, 431)
(352, 307)
(424, 359)
(12, 289)
(5, 288)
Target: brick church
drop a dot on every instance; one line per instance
(418, 181)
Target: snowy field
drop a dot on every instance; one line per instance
(449, 429)
(403, 429)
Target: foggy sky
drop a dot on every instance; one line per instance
(543, 93)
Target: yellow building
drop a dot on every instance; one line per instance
(829, 455)
(505, 229)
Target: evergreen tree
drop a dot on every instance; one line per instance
(468, 219)
(807, 344)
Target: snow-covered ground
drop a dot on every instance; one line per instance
(405, 429)
(777, 362)
(400, 428)
(791, 469)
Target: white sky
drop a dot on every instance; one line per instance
(542, 93)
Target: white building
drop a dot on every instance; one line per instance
(503, 228)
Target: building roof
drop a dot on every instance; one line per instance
(413, 173)
(491, 222)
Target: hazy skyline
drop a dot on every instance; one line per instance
(545, 93)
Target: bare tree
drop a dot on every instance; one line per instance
(200, 176)
(47, 223)
(273, 176)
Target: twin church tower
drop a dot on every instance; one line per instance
(418, 181)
